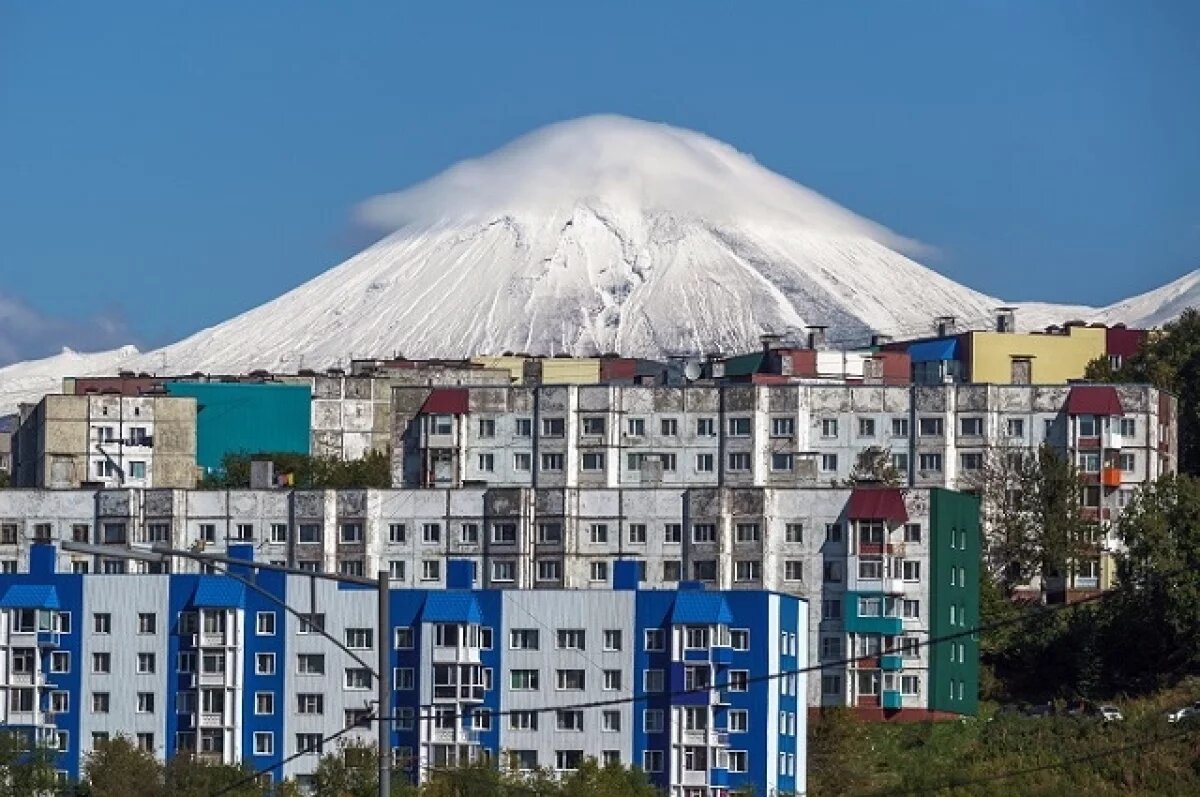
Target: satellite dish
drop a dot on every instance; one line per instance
(692, 371)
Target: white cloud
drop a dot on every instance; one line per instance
(26, 333)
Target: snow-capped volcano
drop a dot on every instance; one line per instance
(595, 235)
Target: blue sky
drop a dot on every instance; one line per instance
(165, 165)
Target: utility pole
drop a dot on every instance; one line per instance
(384, 687)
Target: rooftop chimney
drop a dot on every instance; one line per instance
(1006, 319)
(816, 336)
(945, 325)
(879, 339)
(770, 340)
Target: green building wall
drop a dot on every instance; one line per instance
(247, 418)
(954, 601)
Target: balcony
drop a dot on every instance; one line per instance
(1111, 477)
(890, 662)
(456, 655)
(693, 777)
(210, 679)
(1111, 439)
(721, 655)
(210, 720)
(213, 639)
(892, 699)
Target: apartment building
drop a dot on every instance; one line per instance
(106, 440)
(874, 564)
(702, 689)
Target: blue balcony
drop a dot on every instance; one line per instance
(698, 656)
(718, 777)
(874, 624)
(890, 662)
(722, 656)
(891, 699)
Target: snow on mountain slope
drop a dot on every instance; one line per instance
(29, 381)
(1157, 307)
(595, 235)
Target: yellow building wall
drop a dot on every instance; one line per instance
(573, 371)
(511, 363)
(1055, 358)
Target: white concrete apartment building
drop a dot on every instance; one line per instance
(823, 544)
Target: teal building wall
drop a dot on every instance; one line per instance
(247, 418)
(954, 601)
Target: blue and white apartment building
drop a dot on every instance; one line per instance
(702, 689)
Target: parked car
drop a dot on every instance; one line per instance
(1109, 713)
(1185, 712)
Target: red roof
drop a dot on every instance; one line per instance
(1094, 400)
(446, 401)
(876, 503)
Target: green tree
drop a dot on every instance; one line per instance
(307, 472)
(352, 770)
(835, 744)
(24, 771)
(1170, 360)
(874, 464)
(188, 776)
(118, 768)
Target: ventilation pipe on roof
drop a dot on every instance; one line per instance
(879, 339)
(945, 325)
(770, 340)
(816, 336)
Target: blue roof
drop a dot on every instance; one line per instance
(934, 350)
(30, 596)
(700, 608)
(218, 592)
(451, 607)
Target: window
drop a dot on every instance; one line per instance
(309, 743)
(592, 461)
(431, 570)
(970, 427)
(831, 609)
(929, 462)
(704, 570)
(747, 532)
(910, 685)
(524, 427)
(487, 462)
(930, 427)
(310, 703)
(668, 427)
(102, 623)
(652, 720)
(309, 532)
(739, 427)
(652, 760)
(352, 533)
(739, 680)
(870, 569)
(397, 533)
(598, 571)
(972, 460)
(594, 426)
(747, 570)
(264, 663)
(866, 427)
(569, 680)
(60, 661)
(783, 426)
(637, 533)
(654, 640)
(1128, 427)
(264, 624)
(1128, 463)
(431, 533)
(504, 570)
(487, 427)
(1089, 426)
(598, 534)
(1091, 496)
(523, 680)
(264, 703)
(550, 533)
(357, 678)
(360, 638)
(351, 567)
(911, 609)
(552, 462)
(523, 639)
(1089, 462)
(522, 461)
(504, 533)
(147, 623)
(833, 532)
(704, 463)
(264, 743)
(652, 681)
(100, 702)
(832, 573)
(612, 639)
(571, 639)
(739, 461)
(899, 427)
(635, 427)
(794, 532)
(829, 463)
(145, 702)
(911, 570)
(781, 461)
(739, 638)
(309, 663)
(704, 532)
(549, 570)
(912, 532)
(567, 760)
(101, 663)
(612, 680)
(1014, 427)
(793, 570)
(706, 427)
(553, 427)
(829, 428)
